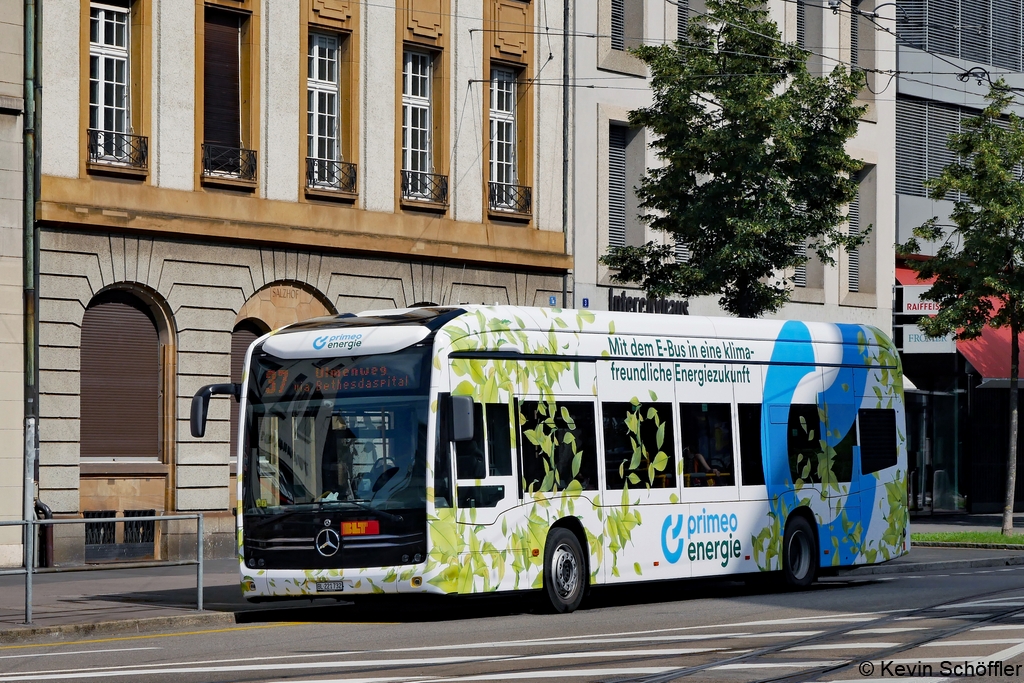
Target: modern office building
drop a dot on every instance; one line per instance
(610, 157)
(12, 386)
(213, 169)
(958, 414)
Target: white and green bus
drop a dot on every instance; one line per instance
(458, 450)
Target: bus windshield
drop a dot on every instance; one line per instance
(337, 433)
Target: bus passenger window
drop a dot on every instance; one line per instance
(442, 458)
(559, 445)
(803, 434)
(750, 444)
(842, 462)
(878, 448)
(499, 441)
(707, 444)
(469, 455)
(638, 443)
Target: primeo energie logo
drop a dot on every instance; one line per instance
(338, 341)
(708, 537)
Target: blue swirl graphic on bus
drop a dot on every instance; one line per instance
(319, 343)
(672, 555)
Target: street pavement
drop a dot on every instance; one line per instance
(699, 630)
(933, 605)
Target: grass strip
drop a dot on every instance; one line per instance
(970, 537)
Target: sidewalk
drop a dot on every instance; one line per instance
(960, 521)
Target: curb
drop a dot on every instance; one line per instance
(957, 544)
(912, 567)
(142, 625)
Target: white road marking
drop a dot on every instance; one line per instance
(1000, 627)
(840, 646)
(968, 643)
(886, 629)
(77, 652)
(564, 673)
(738, 666)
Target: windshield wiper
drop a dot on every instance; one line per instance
(363, 506)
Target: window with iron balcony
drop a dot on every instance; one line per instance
(419, 182)
(505, 194)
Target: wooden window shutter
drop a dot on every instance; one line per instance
(221, 82)
(120, 380)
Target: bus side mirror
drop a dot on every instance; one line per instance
(462, 418)
(201, 404)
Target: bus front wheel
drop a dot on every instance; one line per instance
(799, 553)
(564, 572)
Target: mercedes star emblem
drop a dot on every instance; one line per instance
(327, 542)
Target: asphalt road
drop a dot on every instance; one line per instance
(696, 631)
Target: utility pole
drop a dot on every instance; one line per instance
(565, 144)
(30, 263)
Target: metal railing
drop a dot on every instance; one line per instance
(511, 198)
(29, 569)
(118, 149)
(229, 162)
(330, 174)
(425, 187)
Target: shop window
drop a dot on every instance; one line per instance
(706, 430)
(559, 445)
(638, 445)
(750, 444)
(879, 448)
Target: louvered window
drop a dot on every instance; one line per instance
(854, 32)
(682, 252)
(244, 334)
(120, 380)
(801, 24)
(985, 31)
(617, 186)
(853, 218)
(800, 272)
(682, 19)
(618, 24)
(922, 142)
(222, 116)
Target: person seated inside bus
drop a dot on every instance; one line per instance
(336, 464)
(707, 444)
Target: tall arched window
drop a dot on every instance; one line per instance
(120, 380)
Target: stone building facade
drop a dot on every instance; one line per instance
(12, 384)
(213, 170)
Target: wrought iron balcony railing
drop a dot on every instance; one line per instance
(118, 149)
(511, 198)
(425, 187)
(327, 174)
(229, 162)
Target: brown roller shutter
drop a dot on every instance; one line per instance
(245, 333)
(221, 91)
(120, 379)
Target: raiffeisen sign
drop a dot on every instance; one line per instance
(912, 303)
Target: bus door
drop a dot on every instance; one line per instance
(840, 408)
(485, 478)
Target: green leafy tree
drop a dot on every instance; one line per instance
(979, 267)
(755, 165)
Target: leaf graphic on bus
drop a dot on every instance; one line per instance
(549, 480)
(660, 461)
(633, 479)
(659, 438)
(577, 461)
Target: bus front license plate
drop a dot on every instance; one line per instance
(330, 586)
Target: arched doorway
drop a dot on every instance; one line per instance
(126, 356)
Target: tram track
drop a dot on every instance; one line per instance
(820, 638)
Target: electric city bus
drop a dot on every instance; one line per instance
(458, 450)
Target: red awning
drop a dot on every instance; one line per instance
(990, 353)
(908, 277)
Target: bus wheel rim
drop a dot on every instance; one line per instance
(564, 571)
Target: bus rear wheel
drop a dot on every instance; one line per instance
(799, 553)
(564, 570)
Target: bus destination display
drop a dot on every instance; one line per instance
(304, 379)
